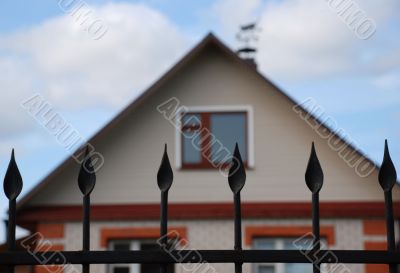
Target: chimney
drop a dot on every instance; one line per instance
(247, 35)
(247, 55)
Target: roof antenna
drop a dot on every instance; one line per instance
(247, 36)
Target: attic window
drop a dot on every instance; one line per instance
(208, 138)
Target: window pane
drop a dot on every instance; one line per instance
(191, 125)
(264, 244)
(298, 268)
(153, 268)
(266, 269)
(302, 243)
(288, 244)
(121, 246)
(299, 243)
(191, 120)
(149, 246)
(121, 270)
(191, 154)
(293, 244)
(228, 129)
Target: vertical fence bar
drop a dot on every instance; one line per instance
(12, 188)
(11, 230)
(86, 183)
(390, 227)
(314, 179)
(316, 229)
(238, 229)
(387, 179)
(237, 179)
(12, 204)
(165, 177)
(164, 225)
(86, 230)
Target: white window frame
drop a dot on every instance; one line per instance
(133, 245)
(280, 267)
(217, 109)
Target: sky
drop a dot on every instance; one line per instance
(306, 47)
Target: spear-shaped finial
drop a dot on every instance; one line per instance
(12, 188)
(237, 179)
(387, 173)
(237, 172)
(314, 179)
(314, 175)
(87, 176)
(387, 179)
(86, 183)
(165, 175)
(12, 180)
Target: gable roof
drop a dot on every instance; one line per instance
(209, 41)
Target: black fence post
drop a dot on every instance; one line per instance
(387, 179)
(12, 188)
(237, 179)
(314, 179)
(86, 183)
(165, 177)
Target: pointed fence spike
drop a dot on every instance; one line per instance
(314, 175)
(387, 173)
(12, 180)
(165, 176)
(237, 172)
(87, 176)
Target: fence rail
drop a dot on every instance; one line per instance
(237, 176)
(209, 256)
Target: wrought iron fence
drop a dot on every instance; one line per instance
(237, 176)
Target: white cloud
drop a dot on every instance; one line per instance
(388, 82)
(300, 40)
(59, 60)
(232, 13)
(73, 70)
(15, 80)
(306, 39)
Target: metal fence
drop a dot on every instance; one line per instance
(237, 176)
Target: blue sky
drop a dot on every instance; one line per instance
(304, 46)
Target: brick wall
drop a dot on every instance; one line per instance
(54, 240)
(375, 239)
(218, 234)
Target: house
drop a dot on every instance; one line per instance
(227, 96)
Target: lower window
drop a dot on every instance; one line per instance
(136, 268)
(282, 244)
